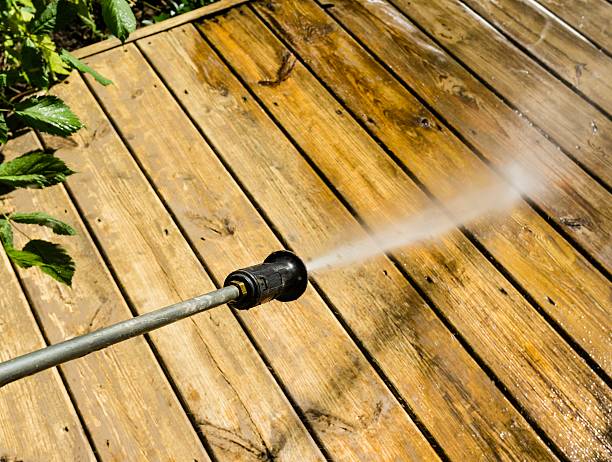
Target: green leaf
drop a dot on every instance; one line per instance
(3, 130)
(3, 80)
(43, 219)
(6, 234)
(34, 169)
(57, 64)
(51, 258)
(81, 66)
(48, 114)
(34, 67)
(119, 18)
(45, 23)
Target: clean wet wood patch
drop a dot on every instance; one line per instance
(297, 123)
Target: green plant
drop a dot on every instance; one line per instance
(168, 8)
(29, 64)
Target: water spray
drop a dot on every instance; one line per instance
(282, 276)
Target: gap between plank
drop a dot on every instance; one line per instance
(134, 312)
(557, 328)
(193, 248)
(538, 209)
(539, 61)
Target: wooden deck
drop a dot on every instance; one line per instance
(294, 123)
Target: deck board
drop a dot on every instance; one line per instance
(579, 128)
(303, 124)
(306, 346)
(434, 157)
(125, 380)
(215, 368)
(37, 418)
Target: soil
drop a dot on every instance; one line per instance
(77, 34)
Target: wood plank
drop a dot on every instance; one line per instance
(542, 262)
(37, 418)
(443, 396)
(579, 128)
(184, 18)
(589, 17)
(239, 406)
(120, 389)
(576, 60)
(336, 389)
(281, 181)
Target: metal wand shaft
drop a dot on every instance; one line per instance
(53, 355)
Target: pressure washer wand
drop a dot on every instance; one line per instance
(282, 276)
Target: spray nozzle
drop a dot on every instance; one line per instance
(282, 276)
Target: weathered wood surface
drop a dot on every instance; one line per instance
(274, 174)
(255, 137)
(37, 418)
(547, 267)
(589, 17)
(348, 407)
(577, 61)
(227, 388)
(119, 389)
(572, 122)
(214, 147)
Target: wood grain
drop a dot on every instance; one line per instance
(576, 60)
(120, 390)
(573, 123)
(225, 384)
(589, 17)
(451, 414)
(541, 261)
(312, 223)
(346, 404)
(156, 28)
(37, 418)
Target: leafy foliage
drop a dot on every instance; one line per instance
(29, 64)
(48, 114)
(119, 18)
(51, 258)
(33, 169)
(42, 219)
(81, 66)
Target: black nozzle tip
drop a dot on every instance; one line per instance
(282, 276)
